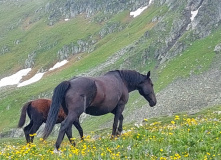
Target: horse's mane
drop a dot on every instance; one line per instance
(132, 77)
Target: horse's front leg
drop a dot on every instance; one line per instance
(118, 116)
(120, 127)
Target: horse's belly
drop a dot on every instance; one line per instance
(97, 111)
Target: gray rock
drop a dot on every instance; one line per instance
(217, 48)
(30, 61)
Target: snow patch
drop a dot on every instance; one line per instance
(34, 79)
(140, 10)
(15, 78)
(38, 76)
(58, 64)
(150, 1)
(193, 14)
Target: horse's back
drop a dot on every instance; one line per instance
(42, 105)
(41, 108)
(110, 91)
(97, 95)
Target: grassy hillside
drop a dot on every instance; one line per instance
(26, 31)
(105, 48)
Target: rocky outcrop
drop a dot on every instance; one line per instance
(208, 18)
(173, 38)
(72, 8)
(76, 47)
(4, 49)
(110, 28)
(29, 62)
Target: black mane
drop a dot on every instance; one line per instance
(131, 77)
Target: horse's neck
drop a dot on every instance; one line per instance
(131, 79)
(131, 88)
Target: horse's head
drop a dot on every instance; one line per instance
(145, 88)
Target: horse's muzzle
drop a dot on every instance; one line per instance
(152, 100)
(152, 103)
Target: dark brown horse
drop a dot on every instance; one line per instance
(37, 111)
(97, 96)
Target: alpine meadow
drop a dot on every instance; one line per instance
(46, 42)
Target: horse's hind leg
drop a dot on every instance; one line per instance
(69, 131)
(75, 107)
(27, 131)
(80, 130)
(69, 135)
(34, 129)
(66, 125)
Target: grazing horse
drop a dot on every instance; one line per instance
(37, 111)
(97, 96)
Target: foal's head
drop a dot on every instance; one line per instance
(145, 88)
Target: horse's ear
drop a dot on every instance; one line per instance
(148, 74)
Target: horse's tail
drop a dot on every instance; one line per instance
(23, 114)
(57, 98)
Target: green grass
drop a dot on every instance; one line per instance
(180, 136)
(47, 40)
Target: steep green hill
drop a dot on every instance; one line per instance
(97, 36)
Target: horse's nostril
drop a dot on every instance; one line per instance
(152, 103)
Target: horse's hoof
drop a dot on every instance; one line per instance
(113, 137)
(73, 144)
(57, 151)
(118, 133)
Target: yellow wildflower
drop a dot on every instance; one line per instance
(170, 133)
(177, 155)
(31, 135)
(145, 119)
(172, 122)
(176, 118)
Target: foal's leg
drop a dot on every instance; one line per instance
(34, 129)
(27, 131)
